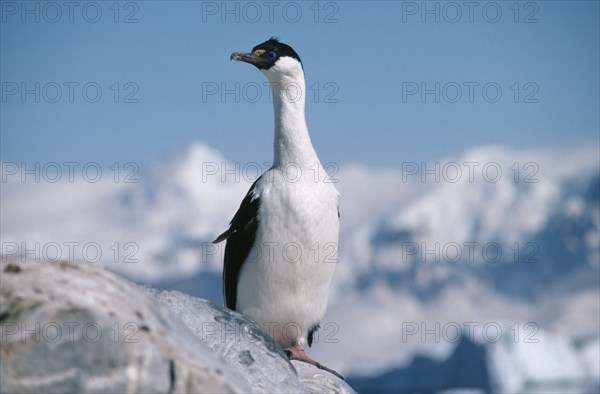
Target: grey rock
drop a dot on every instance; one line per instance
(245, 347)
(79, 328)
(76, 327)
(316, 380)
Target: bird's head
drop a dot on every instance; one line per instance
(274, 59)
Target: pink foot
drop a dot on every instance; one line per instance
(297, 353)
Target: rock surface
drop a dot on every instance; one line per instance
(245, 347)
(239, 342)
(76, 327)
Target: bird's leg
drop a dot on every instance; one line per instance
(296, 352)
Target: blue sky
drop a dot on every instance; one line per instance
(366, 65)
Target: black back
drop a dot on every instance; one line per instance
(240, 239)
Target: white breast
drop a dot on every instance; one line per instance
(284, 283)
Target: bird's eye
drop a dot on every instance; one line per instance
(271, 55)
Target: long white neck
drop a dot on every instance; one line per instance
(292, 143)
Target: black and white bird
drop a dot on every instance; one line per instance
(281, 249)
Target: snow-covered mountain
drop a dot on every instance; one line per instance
(492, 238)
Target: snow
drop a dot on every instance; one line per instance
(590, 356)
(545, 362)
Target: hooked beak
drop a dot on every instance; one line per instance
(251, 59)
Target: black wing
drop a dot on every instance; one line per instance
(240, 237)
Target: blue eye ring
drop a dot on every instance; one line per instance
(271, 55)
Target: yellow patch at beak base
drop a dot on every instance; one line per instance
(259, 52)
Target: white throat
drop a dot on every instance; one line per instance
(292, 143)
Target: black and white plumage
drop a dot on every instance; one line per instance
(281, 249)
